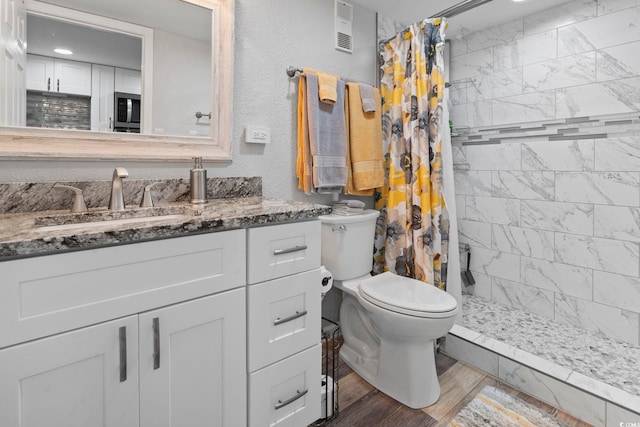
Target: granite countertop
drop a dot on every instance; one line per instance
(30, 234)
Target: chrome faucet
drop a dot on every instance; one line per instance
(116, 202)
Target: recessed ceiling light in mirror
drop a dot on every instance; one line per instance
(63, 51)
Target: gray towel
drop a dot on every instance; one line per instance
(367, 97)
(327, 136)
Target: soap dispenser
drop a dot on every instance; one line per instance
(198, 188)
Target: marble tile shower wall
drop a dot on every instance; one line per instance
(554, 228)
(578, 59)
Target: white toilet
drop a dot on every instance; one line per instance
(388, 322)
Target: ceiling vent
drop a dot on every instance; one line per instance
(344, 21)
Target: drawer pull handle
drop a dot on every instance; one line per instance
(280, 321)
(122, 339)
(289, 250)
(156, 343)
(299, 394)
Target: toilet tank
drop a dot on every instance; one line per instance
(347, 244)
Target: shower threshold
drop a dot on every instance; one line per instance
(591, 377)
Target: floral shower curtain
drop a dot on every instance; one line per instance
(412, 234)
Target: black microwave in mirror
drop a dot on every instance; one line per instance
(127, 112)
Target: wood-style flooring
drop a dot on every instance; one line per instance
(362, 405)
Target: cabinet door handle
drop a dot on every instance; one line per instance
(48, 84)
(289, 250)
(110, 122)
(280, 321)
(122, 333)
(156, 343)
(58, 85)
(298, 395)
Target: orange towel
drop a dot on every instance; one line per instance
(365, 141)
(304, 168)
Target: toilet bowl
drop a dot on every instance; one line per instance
(388, 322)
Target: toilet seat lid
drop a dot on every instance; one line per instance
(407, 296)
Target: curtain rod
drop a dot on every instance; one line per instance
(454, 10)
(459, 8)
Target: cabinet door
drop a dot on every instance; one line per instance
(192, 363)
(102, 88)
(72, 77)
(40, 73)
(84, 378)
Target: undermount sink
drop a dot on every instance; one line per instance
(72, 226)
(70, 221)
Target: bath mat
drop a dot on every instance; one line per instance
(495, 407)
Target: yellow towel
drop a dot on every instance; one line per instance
(327, 84)
(365, 141)
(327, 88)
(350, 187)
(304, 169)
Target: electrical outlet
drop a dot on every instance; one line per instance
(257, 135)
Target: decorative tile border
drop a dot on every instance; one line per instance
(570, 129)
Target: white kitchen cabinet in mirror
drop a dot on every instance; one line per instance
(57, 75)
(161, 139)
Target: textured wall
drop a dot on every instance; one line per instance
(270, 35)
(181, 84)
(579, 59)
(554, 225)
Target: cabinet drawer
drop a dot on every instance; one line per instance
(280, 250)
(284, 317)
(54, 293)
(287, 394)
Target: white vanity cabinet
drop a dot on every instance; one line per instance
(146, 334)
(58, 75)
(284, 324)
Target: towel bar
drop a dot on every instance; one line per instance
(291, 72)
(200, 115)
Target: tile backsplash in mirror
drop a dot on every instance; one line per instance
(60, 111)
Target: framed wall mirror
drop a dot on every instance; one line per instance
(150, 80)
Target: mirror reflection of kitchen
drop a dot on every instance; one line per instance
(152, 80)
(79, 77)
